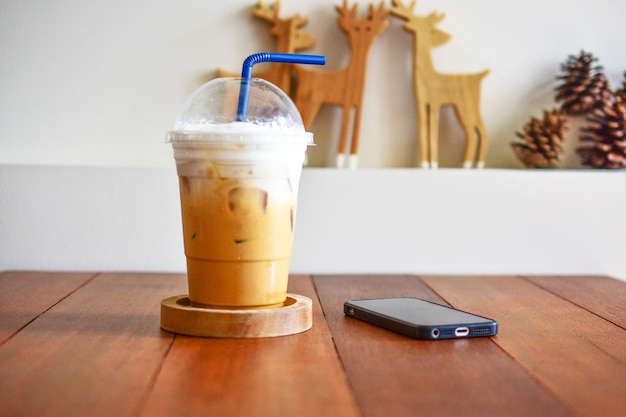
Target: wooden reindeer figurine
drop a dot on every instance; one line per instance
(434, 90)
(345, 87)
(289, 39)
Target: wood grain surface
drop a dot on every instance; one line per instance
(577, 355)
(26, 296)
(279, 376)
(466, 377)
(76, 344)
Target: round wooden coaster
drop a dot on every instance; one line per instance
(179, 316)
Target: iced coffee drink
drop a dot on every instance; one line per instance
(238, 191)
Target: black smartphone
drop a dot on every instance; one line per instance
(420, 319)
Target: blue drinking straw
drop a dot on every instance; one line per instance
(249, 62)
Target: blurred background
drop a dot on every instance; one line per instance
(89, 88)
(98, 83)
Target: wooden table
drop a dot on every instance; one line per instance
(74, 344)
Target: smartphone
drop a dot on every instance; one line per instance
(420, 319)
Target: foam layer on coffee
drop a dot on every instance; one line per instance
(239, 132)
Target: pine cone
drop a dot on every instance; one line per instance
(583, 87)
(622, 91)
(541, 145)
(603, 141)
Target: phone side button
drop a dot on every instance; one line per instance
(461, 331)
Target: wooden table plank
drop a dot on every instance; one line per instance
(25, 295)
(591, 293)
(395, 375)
(576, 354)
(95, 353)
(79, 345)
(291, 375)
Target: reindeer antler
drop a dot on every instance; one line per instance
(400, 10)
(300, 21)
(346, 15)
(266, 12)
(378, 15)
(349, 20)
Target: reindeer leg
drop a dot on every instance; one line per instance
(353, 160)
(308, 112)
(466, 119)
(433, 136)
(471, 142)
(422, 136)
(305, 99)
(308, 109)
(345, 121)
(482, 144)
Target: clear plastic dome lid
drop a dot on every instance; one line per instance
(210, 115)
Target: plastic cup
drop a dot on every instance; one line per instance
(238, 191)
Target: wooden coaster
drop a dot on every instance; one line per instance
(179, 316)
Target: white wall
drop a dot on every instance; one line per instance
(98, 82)
(88, 88)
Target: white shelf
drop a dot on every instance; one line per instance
(363, 221)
